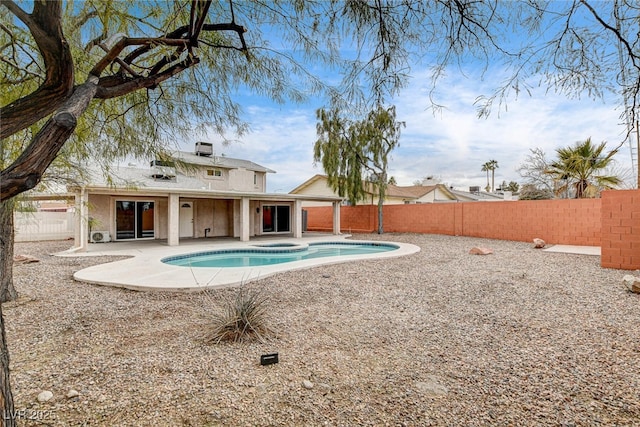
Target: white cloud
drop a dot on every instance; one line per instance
(452, 144)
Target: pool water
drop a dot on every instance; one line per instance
(264, 256)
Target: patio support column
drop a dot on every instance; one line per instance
(297, 219)
(336, 217)
(173, 220)
(244, 219)
(81, 234)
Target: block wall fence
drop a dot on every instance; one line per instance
(612, 222)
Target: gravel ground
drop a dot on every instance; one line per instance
(520, 337)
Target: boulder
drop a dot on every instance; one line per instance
(24, 259)
(632, 283)
(480, 251)
(539, 243)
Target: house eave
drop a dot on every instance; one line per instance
(217, 194)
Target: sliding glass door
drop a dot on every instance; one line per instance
(134, 220)
(276, 219)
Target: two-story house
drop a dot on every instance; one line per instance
(187, 195)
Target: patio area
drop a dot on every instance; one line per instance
(144, 271)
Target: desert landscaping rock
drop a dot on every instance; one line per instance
(539, 243)
(72, 393)
(307, 384)
(632, 283)
(432, 387)
(24, 259)
(481, 251)
(521, 338)
(45, 396)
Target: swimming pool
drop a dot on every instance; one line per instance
(276, 254)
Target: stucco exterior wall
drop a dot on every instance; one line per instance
(162, 218)
(100, 210)
(243, 180)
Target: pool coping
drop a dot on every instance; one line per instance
(144, 271)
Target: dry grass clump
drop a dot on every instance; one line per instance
(241, 317)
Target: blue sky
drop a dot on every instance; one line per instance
(451, 144)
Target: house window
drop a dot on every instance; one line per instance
(214, 173)
(255, 178)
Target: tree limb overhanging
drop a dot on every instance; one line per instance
(65, 103)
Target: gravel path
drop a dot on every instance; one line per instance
(520, 337)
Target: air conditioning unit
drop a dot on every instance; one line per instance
(99, 237)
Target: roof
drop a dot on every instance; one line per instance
(409, 192)
(125, 180)
(219, 162)
(133, 177)
(308, 182)
(479, 196)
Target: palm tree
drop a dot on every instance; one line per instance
(486, 168)
(578, 167)
(493, 165)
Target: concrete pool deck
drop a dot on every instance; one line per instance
(145, 272)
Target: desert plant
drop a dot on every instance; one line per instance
(240, 317)
(578, 170)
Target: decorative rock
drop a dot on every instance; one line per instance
(539, 243)
(632, 283)
(45, 396)
(480, 251)
(307, 384)
(24, 259)
(432, 387)
(326, 388)
(72, 393)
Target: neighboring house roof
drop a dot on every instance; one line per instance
(413, 192)
(308, 183)
(417, 191)
(478, 196)
(219, 162)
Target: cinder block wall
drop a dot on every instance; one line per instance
(621, 229)
(612, 222)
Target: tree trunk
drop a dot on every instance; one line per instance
(7, 290)
(8, 293)
(6, 397)
(380, 204)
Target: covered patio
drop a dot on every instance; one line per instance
(178, 215)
